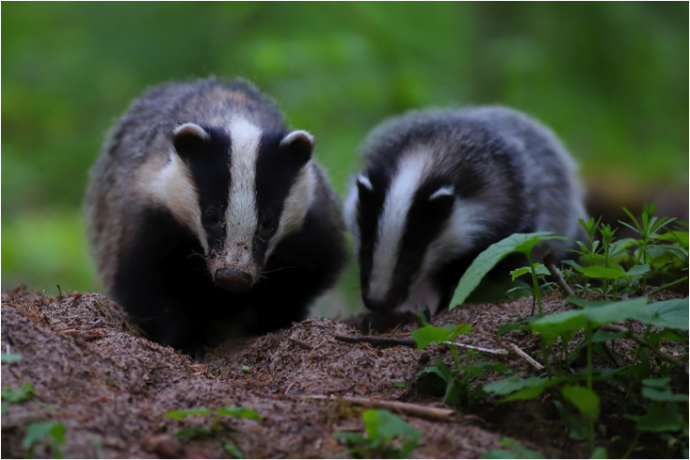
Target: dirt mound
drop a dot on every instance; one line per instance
(112, 388)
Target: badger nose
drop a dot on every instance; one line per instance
(233, 280)
(378, 305)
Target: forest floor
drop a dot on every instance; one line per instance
(112, 388)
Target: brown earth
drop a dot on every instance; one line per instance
(112, 388)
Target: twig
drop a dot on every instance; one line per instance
(416, 410)
(639, 340)
(377, 340)
(409, 343)
(491, 351)
(532, 362)
(549, 262)
(300, 343)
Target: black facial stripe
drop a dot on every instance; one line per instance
(276, 171)
(210, 169)
(424, 222)
(369, 210)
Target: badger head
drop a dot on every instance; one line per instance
(240, 190)
(409, 220)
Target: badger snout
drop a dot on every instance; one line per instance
(379, 305)
(233, 280)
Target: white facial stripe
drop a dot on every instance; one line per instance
(468, 220)
(364, 180)
(296, 206)
(392, 222)
(172, 187)
(241, 216)
(443, 191)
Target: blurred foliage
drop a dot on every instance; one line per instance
(610, 78)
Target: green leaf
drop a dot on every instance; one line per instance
(600, 452)
(20, 394)
(638, 270)
(239, 412)
(615, 311)
(519, 272)
(35, 432)
(427, 335)
(657, 383)
(383, 424)
(565, 323)
(498, 453)
(192, 433)
(603, 336)
(597, 271)
(518, 242)
(663, 395)
(400, 384)
(586, 400)
(233, 449)
(578, 430)
(675, 235)
(354, 438)
(527, 393)
(661, 418)
(521, 324)
(10, 357)
(5, 408)
(515, 383)
(183, 413)
(669, 313)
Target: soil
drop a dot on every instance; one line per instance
(112, 387)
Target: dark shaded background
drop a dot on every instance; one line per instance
(610, 78)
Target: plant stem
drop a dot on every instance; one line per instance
(659, 289)
(590, 424)
(535, 283)
(663, 356)
(632, 445)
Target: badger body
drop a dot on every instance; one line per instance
(207, 216)
(440, 186)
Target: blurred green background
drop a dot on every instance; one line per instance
(610, 78)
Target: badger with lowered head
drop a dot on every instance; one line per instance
(206, 214)
(440, 186)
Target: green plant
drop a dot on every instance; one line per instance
(639, 389)
(519, 242)
(387, 436)
(215, 419)
(454, 382)
(625, 265)
(50, 434)
(12, 395)
(10, 358)
(515, 450)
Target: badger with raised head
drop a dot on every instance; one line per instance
(440, 186)
(205, 212)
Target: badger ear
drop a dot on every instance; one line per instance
(300, 145)
(444, 192)
(187, 137)
(364, 184)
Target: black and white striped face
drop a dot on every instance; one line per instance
(408, 220)
(239, 190)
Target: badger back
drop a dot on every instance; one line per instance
(217, 157)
